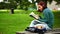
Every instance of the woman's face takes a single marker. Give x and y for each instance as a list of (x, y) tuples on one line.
[(40, 8)]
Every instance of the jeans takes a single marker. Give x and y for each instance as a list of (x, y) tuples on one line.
[(39, 23)]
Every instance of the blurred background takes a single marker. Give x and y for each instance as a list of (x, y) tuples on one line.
[(28, 4), (14, 14)]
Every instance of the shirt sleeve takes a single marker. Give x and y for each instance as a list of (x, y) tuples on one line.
[(46, 17)]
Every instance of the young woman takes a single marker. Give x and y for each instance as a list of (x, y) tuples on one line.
[(46, 20)]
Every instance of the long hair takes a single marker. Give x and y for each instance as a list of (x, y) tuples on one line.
[(43, 4)]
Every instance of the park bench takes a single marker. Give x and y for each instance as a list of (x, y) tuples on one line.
[(54, 31)]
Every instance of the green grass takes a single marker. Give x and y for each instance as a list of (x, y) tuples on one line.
[(13, 22), (10, 23)]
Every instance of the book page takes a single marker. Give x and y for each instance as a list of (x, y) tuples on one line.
[(32, 14)]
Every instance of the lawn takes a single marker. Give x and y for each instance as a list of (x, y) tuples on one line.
[(10, 23)]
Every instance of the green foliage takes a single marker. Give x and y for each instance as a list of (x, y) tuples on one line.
[(57, 19), (24, 4), (4, 5)]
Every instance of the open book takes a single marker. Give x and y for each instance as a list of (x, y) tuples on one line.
[(32, 14)]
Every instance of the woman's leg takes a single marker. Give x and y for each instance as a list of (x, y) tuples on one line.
[(34, 22), (44, 25)]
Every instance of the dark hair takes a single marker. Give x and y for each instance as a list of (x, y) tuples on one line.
[(43, 4)]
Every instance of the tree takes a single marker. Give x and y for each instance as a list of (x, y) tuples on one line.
[(23, 4), (10, 4)]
